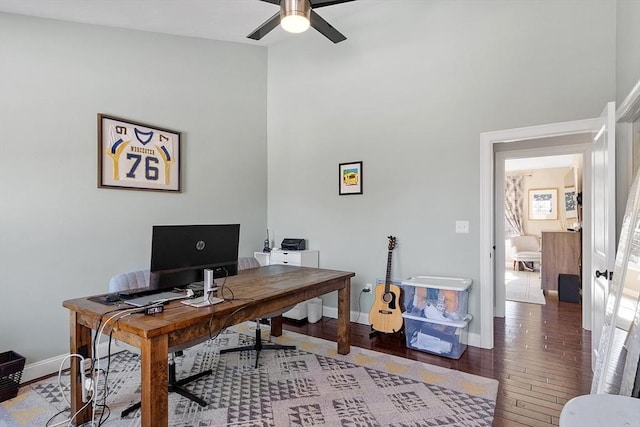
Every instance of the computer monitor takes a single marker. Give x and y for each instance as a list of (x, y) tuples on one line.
[(180, 253)]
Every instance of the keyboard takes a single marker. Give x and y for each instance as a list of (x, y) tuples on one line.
[(155, 298), (202, 302)]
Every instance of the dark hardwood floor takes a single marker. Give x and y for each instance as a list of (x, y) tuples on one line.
[(541, 358)]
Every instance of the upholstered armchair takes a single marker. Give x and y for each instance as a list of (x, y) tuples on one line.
[(524, 249)]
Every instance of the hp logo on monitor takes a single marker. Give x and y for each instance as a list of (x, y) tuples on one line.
[(200, 245)]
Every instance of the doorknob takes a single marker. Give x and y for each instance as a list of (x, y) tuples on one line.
[(606, 274)]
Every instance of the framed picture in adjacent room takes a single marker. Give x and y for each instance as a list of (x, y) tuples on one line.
[(350, 178), (570, 202), (543, 204), (137, 156)]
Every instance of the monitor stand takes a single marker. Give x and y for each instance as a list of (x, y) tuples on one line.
[(203, 301)]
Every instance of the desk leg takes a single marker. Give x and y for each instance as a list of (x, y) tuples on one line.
[(154, 374), (276, 326), (80, 344), (344, 318)]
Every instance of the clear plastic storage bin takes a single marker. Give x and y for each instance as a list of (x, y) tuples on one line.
[(444, 338), (436, 298)]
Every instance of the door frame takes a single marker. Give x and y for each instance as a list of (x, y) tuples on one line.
[(626, 115), (561, 148), (487, 211)]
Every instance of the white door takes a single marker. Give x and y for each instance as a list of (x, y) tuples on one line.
[(603, 250)]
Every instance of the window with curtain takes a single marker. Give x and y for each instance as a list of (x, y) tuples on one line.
[(513, 206)]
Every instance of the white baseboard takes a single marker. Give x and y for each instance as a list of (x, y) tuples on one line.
[(474, 340), (355, 317), (47, 367), (44, 368)]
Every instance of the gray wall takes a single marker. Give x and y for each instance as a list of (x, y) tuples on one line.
[(60, 236), (627, 47), (409, 94)]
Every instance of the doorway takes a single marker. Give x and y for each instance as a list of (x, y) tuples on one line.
[(553, 184), (534, 141)]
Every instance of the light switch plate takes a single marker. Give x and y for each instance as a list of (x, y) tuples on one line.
[(462, 226)]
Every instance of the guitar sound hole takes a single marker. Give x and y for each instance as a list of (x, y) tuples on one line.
[(390, 299)]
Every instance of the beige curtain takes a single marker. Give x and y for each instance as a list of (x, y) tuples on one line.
[(514, 202)]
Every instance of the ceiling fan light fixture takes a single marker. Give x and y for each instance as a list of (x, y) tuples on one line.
[(295, 15)]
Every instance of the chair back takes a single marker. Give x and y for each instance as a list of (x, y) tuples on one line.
[(130, 280), (140, 278), (525, 249), (524, 244), (245, 263)]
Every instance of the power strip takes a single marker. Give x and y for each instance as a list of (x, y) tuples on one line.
[(155, 309), (86, 365)]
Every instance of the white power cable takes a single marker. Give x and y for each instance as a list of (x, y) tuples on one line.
[(69, 421), (61, 387), (96, 368)]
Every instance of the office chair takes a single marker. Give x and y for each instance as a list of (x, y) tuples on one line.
[(257, 346), (140, 279)]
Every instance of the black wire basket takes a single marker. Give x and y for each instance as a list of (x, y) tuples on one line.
[(11, 366)]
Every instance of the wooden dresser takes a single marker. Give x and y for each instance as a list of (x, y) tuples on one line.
[(561, 254)]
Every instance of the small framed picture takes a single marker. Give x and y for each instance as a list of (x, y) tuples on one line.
[(350, 178), (570, 202), (543, 204), (137, 156)]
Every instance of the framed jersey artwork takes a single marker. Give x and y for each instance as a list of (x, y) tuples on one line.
[(137, 156)]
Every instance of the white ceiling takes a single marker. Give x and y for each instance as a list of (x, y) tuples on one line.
[(533, 163), (228, 20)]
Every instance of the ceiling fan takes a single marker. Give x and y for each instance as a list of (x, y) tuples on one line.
[(295, 16)]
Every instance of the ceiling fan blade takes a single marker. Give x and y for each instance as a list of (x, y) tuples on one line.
[(323, 3), (267, 26), (325, 28), (272, 1)]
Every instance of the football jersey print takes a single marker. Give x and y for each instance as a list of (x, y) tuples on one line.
[(139, 155)]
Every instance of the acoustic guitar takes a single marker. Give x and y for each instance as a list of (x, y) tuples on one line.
[(386, 315)]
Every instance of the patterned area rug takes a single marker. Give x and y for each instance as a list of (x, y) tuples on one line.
[(309, 386)]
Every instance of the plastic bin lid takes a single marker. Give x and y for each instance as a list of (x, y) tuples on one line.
[(448, 322), (439, 282)]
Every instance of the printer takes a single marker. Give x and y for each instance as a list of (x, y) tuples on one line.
[(292, 245)]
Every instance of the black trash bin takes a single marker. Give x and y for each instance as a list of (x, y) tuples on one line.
[(11, 366)]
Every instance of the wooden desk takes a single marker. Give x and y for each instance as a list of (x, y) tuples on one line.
[(258, 292)]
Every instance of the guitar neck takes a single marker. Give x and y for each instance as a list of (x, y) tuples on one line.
[(387, 281)]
